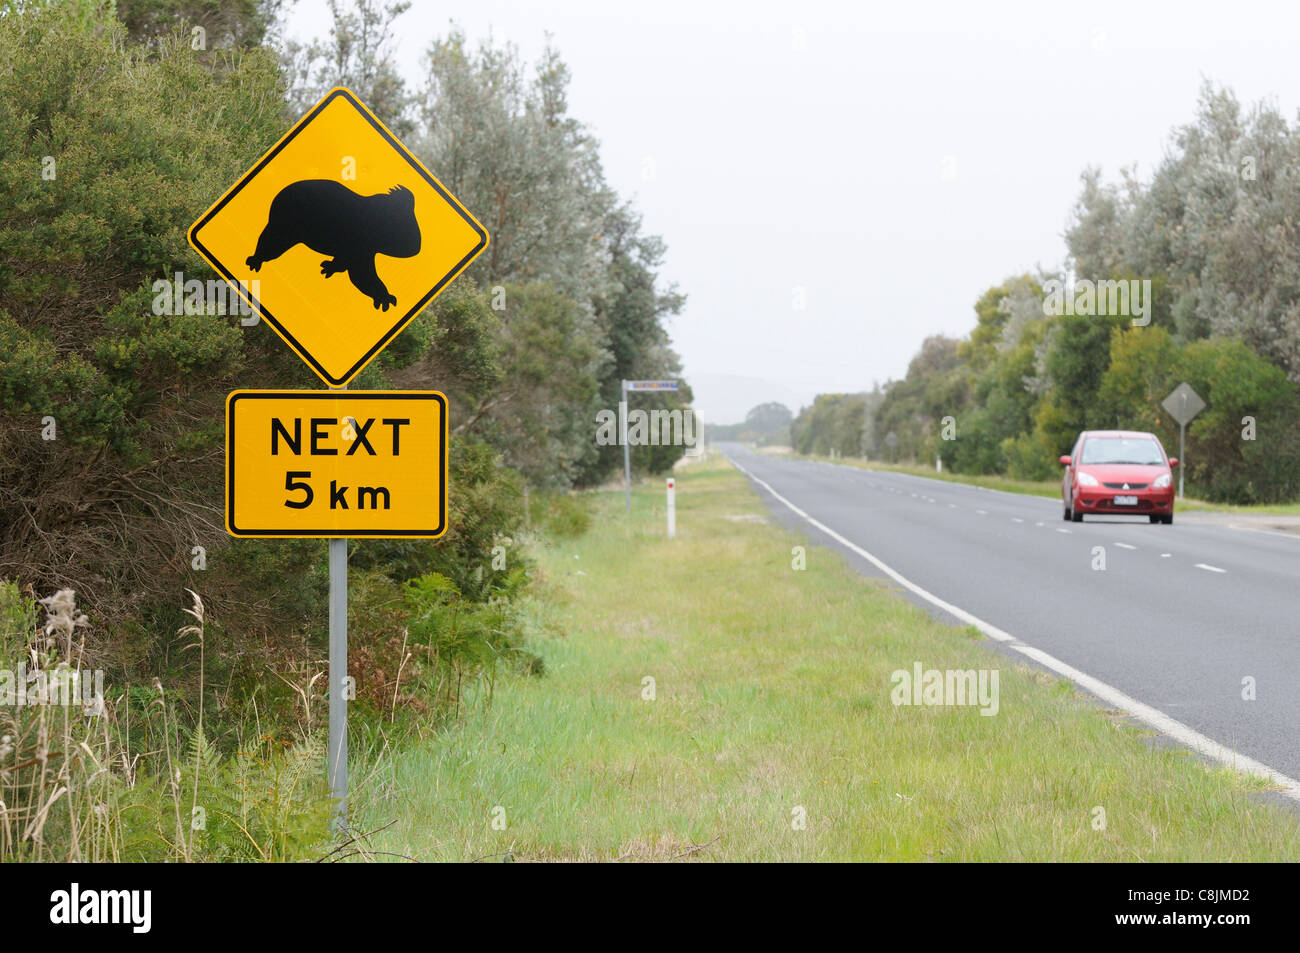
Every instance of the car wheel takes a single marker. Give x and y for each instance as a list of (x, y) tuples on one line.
[(1075, 515), (1167, 520), (1065, 514), (1155, 518)]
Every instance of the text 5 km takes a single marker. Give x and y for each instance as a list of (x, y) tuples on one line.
[(296, 480)]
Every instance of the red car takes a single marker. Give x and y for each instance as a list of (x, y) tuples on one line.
[(1118, 471)]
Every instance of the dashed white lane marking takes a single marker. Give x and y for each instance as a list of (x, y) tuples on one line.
[(1125, 546), (1061, 529), (1165, 555), (1209, 568), (1157, 719), (952, 506), (982, 512), (1039, 523), (1016, 519)]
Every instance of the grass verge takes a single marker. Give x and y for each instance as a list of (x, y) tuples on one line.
[(771, 706)]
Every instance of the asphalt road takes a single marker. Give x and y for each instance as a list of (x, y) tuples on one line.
[(1178, 618)]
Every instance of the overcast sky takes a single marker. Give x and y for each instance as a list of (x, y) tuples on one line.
[(882, 164)]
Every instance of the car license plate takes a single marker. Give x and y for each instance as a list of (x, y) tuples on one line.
[(1126, 501)]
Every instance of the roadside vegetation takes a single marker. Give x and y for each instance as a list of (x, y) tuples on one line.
[(768, 732)]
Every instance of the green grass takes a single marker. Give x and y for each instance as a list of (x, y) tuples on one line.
[(1049, 488), (773, 695)]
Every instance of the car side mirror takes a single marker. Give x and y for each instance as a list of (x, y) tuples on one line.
[(1065, 460), (1173, 461)]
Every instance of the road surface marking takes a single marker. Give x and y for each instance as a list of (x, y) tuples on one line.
[(1125, 546), (1157, 719), (1016, 519), (982, 512), (1061, 529), (1209, 568), (1165, 555)]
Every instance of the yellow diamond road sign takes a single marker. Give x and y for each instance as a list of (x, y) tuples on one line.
[(338, 237)]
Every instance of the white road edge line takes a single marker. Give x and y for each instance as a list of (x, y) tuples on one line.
[(1209, 568), (1157, 719)]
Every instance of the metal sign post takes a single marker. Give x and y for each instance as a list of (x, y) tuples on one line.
[(1182, 452), (627, 451), (337, 758)]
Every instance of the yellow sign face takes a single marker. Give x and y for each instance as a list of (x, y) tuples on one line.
[(309, 463), (338, 237)]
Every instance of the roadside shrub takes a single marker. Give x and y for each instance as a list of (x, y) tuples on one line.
[(566, 516), (1028, 459)]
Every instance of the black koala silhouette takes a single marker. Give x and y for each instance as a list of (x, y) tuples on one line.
[(332, 219)]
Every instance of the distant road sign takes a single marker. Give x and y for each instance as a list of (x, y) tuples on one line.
[(362, 464), (652, 385), (338, 237), (1184, 403)]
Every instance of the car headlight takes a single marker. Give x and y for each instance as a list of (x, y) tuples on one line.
[(1163, 481), (1087, 479)]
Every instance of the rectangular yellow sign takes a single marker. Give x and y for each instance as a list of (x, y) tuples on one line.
[(363, 464)]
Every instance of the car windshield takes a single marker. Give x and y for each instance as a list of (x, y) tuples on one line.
[(1136, 450)]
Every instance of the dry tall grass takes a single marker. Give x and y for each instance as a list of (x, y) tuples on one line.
[(72, 788)]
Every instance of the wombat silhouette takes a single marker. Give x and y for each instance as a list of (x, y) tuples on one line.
[(331, 219)]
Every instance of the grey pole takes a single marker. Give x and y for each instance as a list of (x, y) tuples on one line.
[(338, 734), (338, 741), (1182, 464), (627, 452)]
